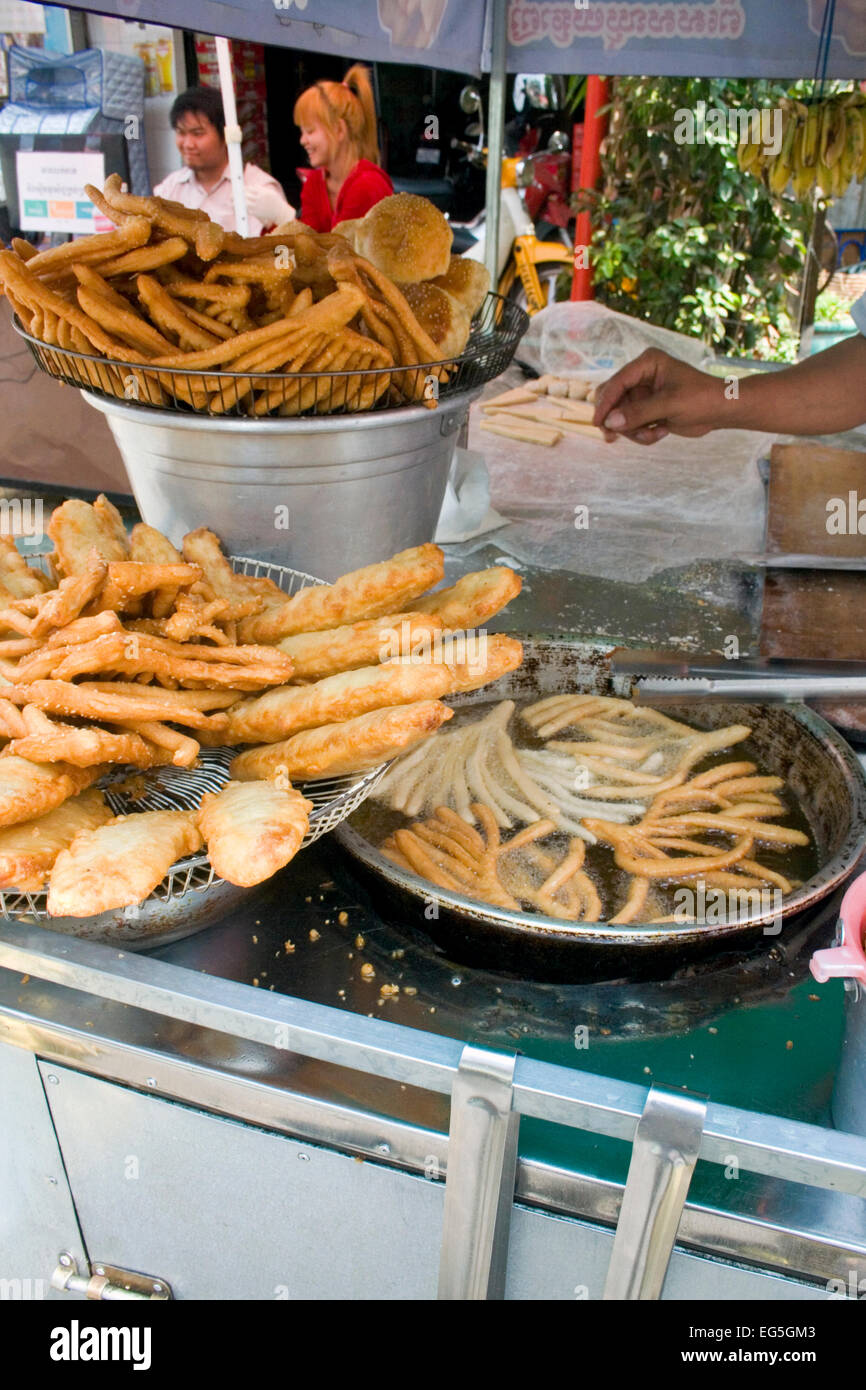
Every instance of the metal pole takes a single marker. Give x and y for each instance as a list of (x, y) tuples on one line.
[(495, 136), (663, 1157), (597, 95), (234, 135), (479, 1186)]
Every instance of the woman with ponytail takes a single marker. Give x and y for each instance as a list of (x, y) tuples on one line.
[(338, 134)]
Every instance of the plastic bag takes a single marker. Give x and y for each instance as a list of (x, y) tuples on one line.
[(591, 341)]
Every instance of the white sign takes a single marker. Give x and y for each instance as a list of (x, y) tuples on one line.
[(51, 196)]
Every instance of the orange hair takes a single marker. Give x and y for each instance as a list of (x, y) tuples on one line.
[(328, 103)]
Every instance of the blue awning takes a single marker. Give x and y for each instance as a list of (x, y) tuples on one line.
[(698, 38)]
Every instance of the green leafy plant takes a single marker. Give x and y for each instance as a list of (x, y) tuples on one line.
[(683, 237), (830, 308)]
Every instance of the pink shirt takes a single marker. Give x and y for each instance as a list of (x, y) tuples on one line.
[(184, 187)]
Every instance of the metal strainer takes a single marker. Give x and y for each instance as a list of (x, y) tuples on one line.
[(191, 895)]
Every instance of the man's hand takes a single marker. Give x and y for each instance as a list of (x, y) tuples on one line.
[(267, 204), (656, 395)]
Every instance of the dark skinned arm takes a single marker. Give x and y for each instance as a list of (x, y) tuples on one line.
[(657, 395)]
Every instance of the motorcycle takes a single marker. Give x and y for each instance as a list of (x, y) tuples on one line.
[(533, 205)]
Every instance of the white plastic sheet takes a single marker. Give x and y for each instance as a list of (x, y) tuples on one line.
[(590, 340)]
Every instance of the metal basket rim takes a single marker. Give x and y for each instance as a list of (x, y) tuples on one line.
[(498, 339)]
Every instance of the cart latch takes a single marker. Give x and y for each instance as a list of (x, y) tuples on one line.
[(101, 1281)]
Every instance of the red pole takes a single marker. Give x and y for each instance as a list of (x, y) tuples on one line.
[(597, 95)]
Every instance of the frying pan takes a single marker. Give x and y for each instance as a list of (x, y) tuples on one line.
[(821, 774)]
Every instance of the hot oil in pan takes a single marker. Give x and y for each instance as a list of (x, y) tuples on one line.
[(375, 821)]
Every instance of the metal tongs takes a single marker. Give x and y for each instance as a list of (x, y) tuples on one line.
[(671, 677)]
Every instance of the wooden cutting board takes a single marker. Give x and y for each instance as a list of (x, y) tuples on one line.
[(817, 503), (814, 613), (813, 509)]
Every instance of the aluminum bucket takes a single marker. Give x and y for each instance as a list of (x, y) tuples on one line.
[(325, 494)]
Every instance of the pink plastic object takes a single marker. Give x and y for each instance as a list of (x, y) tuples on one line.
[(847, 960)]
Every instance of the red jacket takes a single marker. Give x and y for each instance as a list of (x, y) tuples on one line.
[(366, 184)]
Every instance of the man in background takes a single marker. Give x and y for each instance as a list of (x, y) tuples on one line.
[(198, 121)]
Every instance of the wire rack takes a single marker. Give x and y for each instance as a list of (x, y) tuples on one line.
[(496, 331), (169, 788)]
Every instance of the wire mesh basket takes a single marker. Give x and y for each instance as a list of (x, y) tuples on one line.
[(191, 895), (496, 331)]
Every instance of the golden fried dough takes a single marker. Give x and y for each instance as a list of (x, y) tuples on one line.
[(406, 237), (119, 863), (16, 577), (151, 547), (338, 749), (252, 829), (278, 713), (80, 747), (28, 850), (348, 229), (486, 659), (319, 654), (203, 548), (30, 789), (370, 592), (474, 598), (467, 281), (441, 315), (76, 528)]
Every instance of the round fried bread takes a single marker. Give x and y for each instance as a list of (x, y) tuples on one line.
[(467, 280), (440, 315), (405, 237)]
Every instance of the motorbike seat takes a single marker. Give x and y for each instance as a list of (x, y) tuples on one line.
[(463, 239)]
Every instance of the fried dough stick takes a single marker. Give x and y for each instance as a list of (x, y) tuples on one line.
[(365, 593), (62, 697), (337, 749)]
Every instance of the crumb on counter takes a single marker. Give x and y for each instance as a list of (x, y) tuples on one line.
[(343, 918), (367, 971), (789, 1045), (360, 942), (389, 990), (341, 993), (314, 935), (255, 940), (398, 954), (409, 989), (288, 947), (256, 981)]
